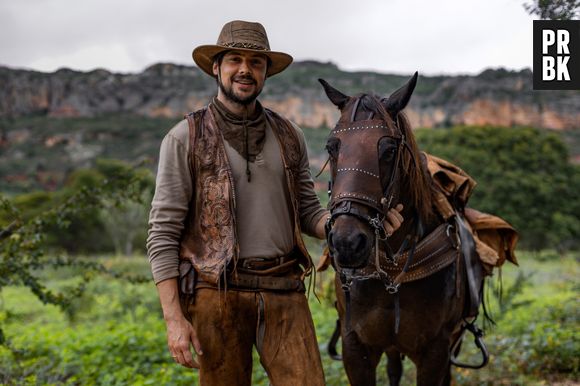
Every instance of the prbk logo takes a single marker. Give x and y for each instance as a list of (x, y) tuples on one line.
[(556, 54)]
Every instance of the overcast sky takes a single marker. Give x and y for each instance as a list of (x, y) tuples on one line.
[(389, 36)]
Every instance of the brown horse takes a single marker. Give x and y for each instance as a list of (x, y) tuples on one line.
[(410, 302)]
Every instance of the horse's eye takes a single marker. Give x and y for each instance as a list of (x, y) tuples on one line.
[(387, 148)]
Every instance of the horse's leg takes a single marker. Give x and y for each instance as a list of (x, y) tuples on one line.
[(360, 361), (394, 367), (433, 368), (447, 379)]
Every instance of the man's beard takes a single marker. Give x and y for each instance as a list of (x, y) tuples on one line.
[(229, 92)]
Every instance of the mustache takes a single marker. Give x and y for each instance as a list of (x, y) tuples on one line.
[(244, 77)]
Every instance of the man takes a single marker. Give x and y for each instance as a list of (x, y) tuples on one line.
[(233, 194)]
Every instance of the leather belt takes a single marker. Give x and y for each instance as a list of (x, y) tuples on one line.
[(263, 263), (254, 274), (273, 283)]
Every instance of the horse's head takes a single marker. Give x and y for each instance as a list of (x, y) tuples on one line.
[(374, 166)]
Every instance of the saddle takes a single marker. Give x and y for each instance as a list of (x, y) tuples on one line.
[(495, 239), (486, 241)]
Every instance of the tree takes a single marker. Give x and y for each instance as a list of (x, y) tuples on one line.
[(554, 9), (125, 221)]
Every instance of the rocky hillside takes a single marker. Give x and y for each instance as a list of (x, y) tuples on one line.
[(495, 97)]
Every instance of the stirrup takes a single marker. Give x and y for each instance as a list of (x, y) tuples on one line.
[(478, 339)]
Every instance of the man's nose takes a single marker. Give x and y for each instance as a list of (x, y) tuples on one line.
[(244, 67)]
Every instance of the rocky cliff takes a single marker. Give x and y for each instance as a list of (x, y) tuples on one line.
[(495, 97)]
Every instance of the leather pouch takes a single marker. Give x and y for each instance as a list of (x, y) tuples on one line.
[(187, 279)]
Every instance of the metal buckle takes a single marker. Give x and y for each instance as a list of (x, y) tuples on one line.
[(392, 288), (455, 240)]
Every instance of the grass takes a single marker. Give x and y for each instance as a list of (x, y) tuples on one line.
[(116, 334)]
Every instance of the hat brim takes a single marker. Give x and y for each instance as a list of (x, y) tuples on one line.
[(203, 57)]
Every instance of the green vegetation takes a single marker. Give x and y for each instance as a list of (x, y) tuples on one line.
[(102, 225), (115, 334), (66, 220)]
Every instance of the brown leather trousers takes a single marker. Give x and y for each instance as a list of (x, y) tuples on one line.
[(229, 323)]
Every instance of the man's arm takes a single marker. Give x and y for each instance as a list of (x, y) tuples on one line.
[(169, 209)]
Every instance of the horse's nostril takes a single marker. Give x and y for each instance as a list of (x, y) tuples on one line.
[(360, 242), (330, 239)]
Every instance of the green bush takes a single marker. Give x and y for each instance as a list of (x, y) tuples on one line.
[(118, 335)]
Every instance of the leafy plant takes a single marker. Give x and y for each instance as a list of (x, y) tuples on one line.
[(22, 250)]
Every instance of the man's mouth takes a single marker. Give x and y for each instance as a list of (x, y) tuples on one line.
[(245, 81)]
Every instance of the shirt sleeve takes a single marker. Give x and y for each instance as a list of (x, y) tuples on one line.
[(310, 209), (170, 205)]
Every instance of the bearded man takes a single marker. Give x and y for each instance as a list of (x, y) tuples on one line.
[(233, 195)]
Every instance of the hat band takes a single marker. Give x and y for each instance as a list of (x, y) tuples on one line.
[(250, 46)]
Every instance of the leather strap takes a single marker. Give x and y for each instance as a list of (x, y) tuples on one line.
[(436, 251), (274, 283), (473, 267), (249, 282), (265, 264)]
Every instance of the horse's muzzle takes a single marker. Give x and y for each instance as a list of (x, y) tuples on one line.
[(349, 249)]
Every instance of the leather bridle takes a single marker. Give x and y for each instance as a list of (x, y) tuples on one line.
[(366, 189), (348, 193)]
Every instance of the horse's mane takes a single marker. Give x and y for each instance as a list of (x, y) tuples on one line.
[(415, 179)]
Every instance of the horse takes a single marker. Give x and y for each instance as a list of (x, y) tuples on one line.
[(403, 294)]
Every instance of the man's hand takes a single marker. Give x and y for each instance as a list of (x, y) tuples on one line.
[(393, 220), (180, 333)]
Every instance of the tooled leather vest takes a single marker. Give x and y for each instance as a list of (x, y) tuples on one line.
[(209, 237)]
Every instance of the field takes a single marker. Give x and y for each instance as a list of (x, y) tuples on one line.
[(115, 335)]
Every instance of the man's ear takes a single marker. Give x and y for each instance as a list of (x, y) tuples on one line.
[(215, 68)]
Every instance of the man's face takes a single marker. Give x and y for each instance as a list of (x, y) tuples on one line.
[(241, 75)]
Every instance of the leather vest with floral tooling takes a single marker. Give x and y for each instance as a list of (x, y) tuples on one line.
[(209, 238)]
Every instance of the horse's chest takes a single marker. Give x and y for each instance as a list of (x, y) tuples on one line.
[(374, 328), (374, 324)]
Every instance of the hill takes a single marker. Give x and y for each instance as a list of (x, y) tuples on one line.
[(495, 97), (53, 123)]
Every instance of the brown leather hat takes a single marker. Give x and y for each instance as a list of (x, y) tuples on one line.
[(241, 36)]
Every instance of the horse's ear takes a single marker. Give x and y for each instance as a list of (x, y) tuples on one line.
[(398, 100), (335, 96)]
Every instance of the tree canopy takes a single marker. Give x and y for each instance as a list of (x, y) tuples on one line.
[(554, 9)]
